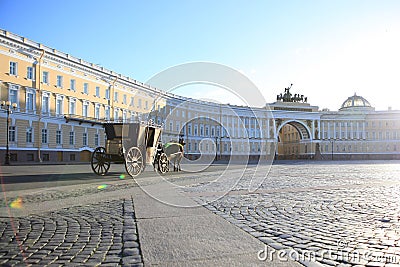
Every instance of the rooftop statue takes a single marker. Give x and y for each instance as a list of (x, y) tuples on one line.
[(288, 97)]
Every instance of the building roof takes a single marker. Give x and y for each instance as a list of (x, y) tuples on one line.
[(355, 102)]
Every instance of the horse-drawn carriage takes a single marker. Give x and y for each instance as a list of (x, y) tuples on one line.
[(134, 144)]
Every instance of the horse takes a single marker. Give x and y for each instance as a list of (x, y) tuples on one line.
[(174, 152)]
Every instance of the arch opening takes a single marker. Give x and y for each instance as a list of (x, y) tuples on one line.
[(293, 141)]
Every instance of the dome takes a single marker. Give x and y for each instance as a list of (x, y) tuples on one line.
[(357, 102)]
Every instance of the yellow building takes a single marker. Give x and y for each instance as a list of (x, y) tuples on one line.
[(60, 100)]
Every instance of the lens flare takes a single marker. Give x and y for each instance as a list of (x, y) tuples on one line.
[(16, 203), (122, 176), (101, 187)]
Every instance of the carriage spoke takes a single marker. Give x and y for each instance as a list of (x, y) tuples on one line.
[(101, 169)]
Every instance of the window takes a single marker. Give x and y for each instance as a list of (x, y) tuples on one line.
[(13, 157), (30, 157), (124, 116), (45, 77), (11, 133), (124, 99), (71, 138), (45, 102), (107, 95), (170, 126), (72, 157), (13, 94), (30, 99), (97, 111), (59, 105), (97, 91), (85, 109), (29, 135), (116, 114), (140, 103), (59, 81), (96, 140), (189, 129), (132, 101), (29, 73), (72, 106), (195, 130), (115, 96), (13, 68), (72, 85), (107, 113), (58, 137), (44, 136), (84, 139), (146, 104), (86, 88), (46, 157)]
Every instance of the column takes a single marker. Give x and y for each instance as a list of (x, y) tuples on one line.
[(268, 135), (363, 130), (313, 130), (351, 130), (319, 129), (323, 130), (329, 130), (358, 130), (340, 130), (334, 130), (345, 131)]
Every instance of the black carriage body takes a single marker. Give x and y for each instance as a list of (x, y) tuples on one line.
[(120, 136)]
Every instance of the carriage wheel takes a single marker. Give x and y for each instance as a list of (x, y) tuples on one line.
[(134, 161), (163, 163), (99, 162)]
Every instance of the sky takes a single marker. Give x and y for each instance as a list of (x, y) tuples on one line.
[(328, 50)]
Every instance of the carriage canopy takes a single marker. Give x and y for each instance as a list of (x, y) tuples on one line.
[(138, 134)]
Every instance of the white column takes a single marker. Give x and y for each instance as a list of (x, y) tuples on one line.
[(334, 130), (363, 129), (268, 135), (319, 129), (323, 130), (313, 130), (351, 130), (345, 131), (340, 130), (329, 130), (358, 130)]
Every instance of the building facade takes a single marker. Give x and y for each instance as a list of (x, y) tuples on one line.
[(62, 101)]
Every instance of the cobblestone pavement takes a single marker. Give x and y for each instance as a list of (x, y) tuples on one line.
[(91, 235), (55, 193), (327, 215)]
